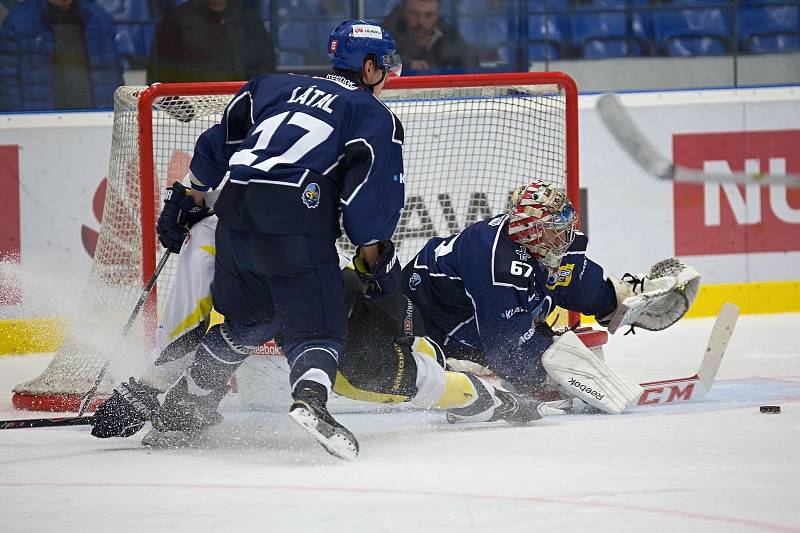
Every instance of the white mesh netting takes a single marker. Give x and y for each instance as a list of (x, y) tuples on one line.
[(466, 148)]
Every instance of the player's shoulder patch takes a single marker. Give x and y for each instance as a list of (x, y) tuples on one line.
[(562, 277)]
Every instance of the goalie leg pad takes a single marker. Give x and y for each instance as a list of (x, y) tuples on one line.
[(569, 362), (459, 391)]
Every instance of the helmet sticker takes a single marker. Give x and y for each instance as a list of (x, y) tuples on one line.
[(366, 30)]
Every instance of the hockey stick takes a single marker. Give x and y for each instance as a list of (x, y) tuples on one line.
[(145, 293), (697, 386), (621, 126), (47, 422)]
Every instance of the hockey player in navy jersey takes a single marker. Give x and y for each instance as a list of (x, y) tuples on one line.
[(302, 153), (485, 292)]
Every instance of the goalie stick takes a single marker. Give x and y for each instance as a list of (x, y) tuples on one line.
[(655, 392), (621, 126), (698, 385)]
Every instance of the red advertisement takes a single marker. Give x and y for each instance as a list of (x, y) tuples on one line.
[(9, 219), (715, 218)]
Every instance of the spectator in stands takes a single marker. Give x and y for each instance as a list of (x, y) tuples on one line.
[(58, 54), (424, 40), (210, 40)]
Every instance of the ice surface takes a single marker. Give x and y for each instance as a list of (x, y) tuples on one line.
[(714, 465)]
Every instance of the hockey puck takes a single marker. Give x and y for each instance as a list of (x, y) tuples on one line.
[(771, 409)]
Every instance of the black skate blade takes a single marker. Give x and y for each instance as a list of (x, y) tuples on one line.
[(339, 445)]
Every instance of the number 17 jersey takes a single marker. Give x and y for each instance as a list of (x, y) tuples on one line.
[(300, 150)]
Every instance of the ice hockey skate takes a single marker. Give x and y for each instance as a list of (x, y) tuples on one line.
[(184, 415), (494, 403), (310, 413)]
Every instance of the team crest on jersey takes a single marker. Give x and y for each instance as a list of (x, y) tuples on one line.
[(311, 195), (562, 277), (523, 254), (414, 281)]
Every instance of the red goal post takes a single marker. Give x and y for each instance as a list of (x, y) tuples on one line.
[(469, 140)]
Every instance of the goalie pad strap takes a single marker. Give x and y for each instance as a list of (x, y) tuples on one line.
[(584, 376)]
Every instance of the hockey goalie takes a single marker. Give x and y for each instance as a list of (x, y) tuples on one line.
[(397, 346)]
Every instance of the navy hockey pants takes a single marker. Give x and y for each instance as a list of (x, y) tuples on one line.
[(292, 284)]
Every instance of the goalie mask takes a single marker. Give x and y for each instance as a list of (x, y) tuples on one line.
[(542, 219)]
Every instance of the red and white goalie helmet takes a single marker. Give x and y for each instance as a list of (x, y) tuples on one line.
[(542, 219)]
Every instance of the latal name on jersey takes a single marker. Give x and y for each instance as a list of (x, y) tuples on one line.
[(313, 97)]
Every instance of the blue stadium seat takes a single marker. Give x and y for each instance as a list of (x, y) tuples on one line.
[(695, 46), (378, 9), (483, 7), (545, 39), (291, 59), (604, 34), (542, 52), (133, 29), (605, 48), (293, 9), (488, 33), (703, 3), (133, 42), (701, 31), (548, 6), (291, 37), (559, 11), (769, 29), (309, 38), (127, 11), (773, 44)]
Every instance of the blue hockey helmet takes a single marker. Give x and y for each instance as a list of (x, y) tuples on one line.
[(354, 40)]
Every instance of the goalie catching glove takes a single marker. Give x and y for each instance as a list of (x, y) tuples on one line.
[(383, 278), (656, 300), (178, 215)]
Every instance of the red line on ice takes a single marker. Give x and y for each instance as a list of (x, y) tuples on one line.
[(573, 500)]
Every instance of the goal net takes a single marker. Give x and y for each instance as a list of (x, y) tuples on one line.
[(469, 141)]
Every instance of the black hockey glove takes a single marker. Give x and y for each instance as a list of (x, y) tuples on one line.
[(178, 215), (384, 277)]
